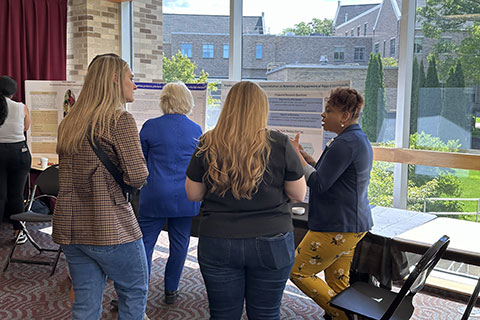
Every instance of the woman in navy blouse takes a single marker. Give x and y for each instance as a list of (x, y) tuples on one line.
[(168, 143), (339, 212)]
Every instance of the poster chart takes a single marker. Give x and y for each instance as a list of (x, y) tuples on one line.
[(147, 102), (48, 102), (297, 107)]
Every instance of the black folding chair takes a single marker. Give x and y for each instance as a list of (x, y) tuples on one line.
[(372, 302), (47, 183), (472, 301)]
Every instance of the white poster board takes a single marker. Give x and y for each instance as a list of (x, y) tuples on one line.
[(297, 107), (48, 102), (147, 102)]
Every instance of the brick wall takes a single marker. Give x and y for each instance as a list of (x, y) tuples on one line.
[(93, 27), (356, 74), (147, 40)]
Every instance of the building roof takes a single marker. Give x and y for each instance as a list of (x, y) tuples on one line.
[(348, 12), (197, 23)]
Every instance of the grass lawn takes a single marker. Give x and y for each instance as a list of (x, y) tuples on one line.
[(471, 189)]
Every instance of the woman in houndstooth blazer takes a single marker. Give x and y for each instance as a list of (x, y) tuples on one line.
[(93, 222)]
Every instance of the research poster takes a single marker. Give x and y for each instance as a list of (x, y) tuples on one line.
[(297, 107), (147, 102), (48, 102)]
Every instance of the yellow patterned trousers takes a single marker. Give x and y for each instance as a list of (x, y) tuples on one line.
[(331, 252)]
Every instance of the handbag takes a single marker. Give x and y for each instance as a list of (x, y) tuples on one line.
[(131, 194)]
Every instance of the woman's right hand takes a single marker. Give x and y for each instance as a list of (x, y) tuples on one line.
[(304, 156), (307, 157)]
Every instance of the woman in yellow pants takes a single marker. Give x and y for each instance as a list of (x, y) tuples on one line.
[(339, 212)]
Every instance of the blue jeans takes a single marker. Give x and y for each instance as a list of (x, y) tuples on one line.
[(254, 270), (89, 267), (179, 239)]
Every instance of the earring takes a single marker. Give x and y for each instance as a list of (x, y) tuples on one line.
[(342, 125)]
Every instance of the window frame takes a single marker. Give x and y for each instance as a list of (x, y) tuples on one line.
[(362, 52), (227, 56), (335, 52), (416, 45), (208, 48), (257, 55), (393, 47), (190, 49)]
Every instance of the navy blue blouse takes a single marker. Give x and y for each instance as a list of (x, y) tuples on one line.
[(338, 200)]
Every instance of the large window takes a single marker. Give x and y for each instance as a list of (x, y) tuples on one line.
[(226, 51), (359, 54), (258, 51), (186, 49), (207, 51), (339, 53)]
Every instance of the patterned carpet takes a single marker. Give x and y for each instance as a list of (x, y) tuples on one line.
[(27, 291)]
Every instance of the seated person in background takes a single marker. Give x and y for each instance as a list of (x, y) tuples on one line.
[(15, 158), (168, 143), (245, 175), (339, 212)]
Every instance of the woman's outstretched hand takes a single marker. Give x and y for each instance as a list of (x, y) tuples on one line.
[(304, 156)]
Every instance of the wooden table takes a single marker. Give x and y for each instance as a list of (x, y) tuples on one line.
[(464, 239)]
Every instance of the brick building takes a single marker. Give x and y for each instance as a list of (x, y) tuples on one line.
[(205, 40)]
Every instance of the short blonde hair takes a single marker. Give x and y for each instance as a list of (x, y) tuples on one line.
[(176, 98)]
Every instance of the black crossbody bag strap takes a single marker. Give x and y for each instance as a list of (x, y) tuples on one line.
[(110, 166)]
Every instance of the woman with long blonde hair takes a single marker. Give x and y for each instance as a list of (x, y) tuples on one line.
[(245, 174), (93, 221)]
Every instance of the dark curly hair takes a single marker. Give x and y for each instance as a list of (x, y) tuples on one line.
[(8, 87), (346, 99)]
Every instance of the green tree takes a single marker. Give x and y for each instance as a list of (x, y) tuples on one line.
[(421, 75), (415, 92), (469, 54), (440, 16), (430, 96), (438, 183), (181, 68), (319, 26), (389, 62), (456, 107), (374, 112), (369, 114), (431, 80)]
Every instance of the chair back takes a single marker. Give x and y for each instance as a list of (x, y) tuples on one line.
[(471, 301), (416, 279), (47, 181)]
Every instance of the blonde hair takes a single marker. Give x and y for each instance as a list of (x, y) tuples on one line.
[(238, 148), (101, 100), (176, 98)]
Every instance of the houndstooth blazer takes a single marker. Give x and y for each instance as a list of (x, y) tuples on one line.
[(91, 208)]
